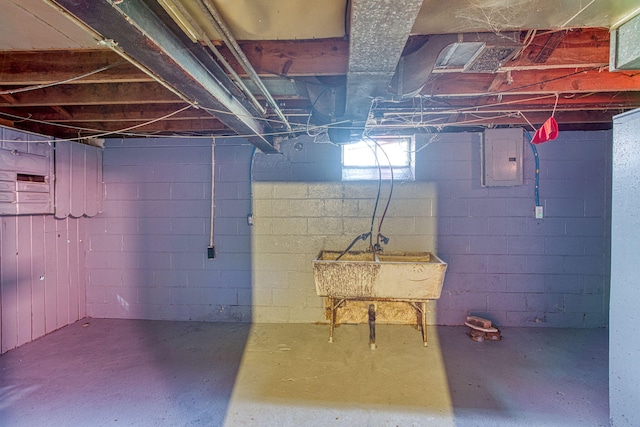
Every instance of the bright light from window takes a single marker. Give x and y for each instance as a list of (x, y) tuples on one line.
[(359, 159)]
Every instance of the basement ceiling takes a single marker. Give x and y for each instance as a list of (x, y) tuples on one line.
[(463, 65)]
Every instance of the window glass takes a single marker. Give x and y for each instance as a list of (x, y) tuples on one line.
[(359, 159)]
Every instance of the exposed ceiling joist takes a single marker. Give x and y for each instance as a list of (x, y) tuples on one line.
[(307, 80), (532, 82), (95, 94), (141, 35)]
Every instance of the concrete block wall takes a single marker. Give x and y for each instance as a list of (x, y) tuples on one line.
[(504, 263), (294, 221), (147, 253)]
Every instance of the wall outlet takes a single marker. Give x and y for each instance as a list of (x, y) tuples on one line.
[(211, 252), (539, 212)]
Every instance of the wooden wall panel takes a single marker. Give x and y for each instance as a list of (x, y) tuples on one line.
[(51, 276), (42, 271), (78, 179), (9, 284), (24, 279), (74, 285), (100, 180), (42, 276), (82, 271), (63, 179), (91, 183), (37, 276), (62, 295)]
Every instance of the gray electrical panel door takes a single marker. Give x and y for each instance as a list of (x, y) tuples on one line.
[(502, 152)]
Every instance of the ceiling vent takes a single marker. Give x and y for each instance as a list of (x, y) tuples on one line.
[(479, 53)]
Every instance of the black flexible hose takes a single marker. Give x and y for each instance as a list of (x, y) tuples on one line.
[(375, 207), (360, 237), (384, 213)]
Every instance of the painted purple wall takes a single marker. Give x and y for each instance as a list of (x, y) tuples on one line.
[(504, 263), (147, 252)]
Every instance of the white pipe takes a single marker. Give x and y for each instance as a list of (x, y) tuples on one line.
[(218, 23), (213, 179), (203, 35)]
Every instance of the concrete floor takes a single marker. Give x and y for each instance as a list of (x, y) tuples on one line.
[(100, 372)]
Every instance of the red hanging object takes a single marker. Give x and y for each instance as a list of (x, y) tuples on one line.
[(547, 132)]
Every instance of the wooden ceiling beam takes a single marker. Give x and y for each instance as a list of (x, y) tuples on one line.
[(532, 82), (108, 113), (571, 48), (596, 101), (201, 126), (22, 68), (541, 55), (493, 119), (99, 94), (323, 57)]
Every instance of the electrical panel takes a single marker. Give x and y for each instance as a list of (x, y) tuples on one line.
[(501, 156)]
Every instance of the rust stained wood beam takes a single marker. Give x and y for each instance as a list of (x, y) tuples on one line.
[(532, 82), (42, 67)]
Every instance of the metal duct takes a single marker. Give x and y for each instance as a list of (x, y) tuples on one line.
[(379, 30), (468, 53)]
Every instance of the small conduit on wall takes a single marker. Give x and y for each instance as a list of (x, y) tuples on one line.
[(78, 180), (211, 250)]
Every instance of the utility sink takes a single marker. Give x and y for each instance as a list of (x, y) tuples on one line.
[(402, 276)]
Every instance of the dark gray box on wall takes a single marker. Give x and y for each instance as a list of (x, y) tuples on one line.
[(501, 157)]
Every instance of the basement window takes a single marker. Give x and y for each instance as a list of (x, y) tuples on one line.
[(366, 160)]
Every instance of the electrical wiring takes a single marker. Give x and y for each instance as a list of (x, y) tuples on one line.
[(124, 131), (251, 161), (375, 207), (61, 82), (311, 112), (103, 134), (369, 235), (545, 81), (495, 104), (536, 158), (384, 213)]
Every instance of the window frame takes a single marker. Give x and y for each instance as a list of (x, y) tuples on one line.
[(371, 172)]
